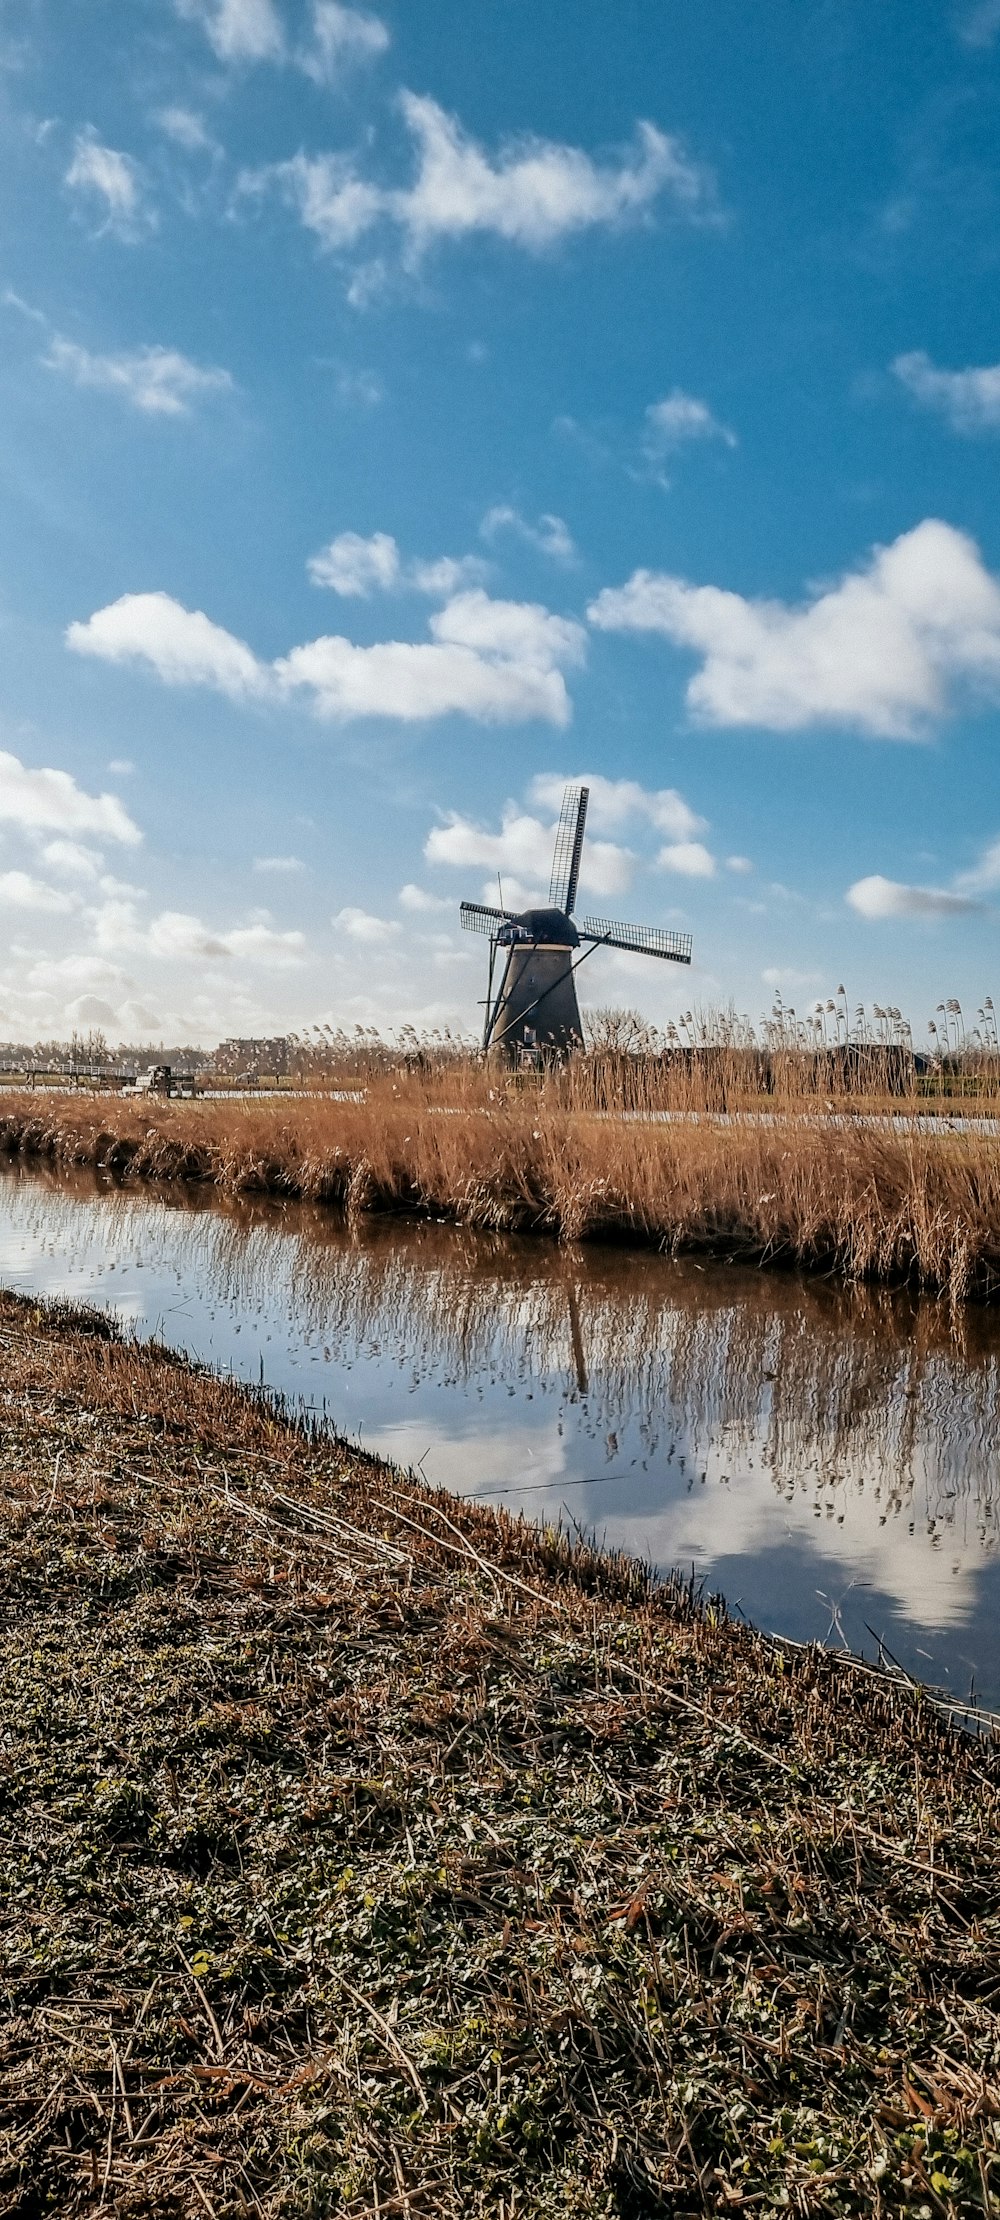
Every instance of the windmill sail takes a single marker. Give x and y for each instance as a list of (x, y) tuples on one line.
[(643, 940), (568, 850), (478, 917)]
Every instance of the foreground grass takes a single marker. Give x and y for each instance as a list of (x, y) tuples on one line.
[(783, 1183), (365, 1852)]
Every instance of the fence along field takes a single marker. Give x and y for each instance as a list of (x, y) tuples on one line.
[(821, 1159)]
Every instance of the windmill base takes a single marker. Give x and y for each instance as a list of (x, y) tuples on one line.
[(537, 1014)]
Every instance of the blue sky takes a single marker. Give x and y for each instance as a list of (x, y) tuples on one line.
[(402, 411)]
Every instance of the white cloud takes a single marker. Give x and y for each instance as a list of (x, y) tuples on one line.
[(970, 399), (414, 682), (536, 192), (550, 534), (533, 194), (497, 661), (877, 897), (177, 935), (262, 944), (51, 801), (740, 864), (417, 899), (677, 420), (73, 858), (279, 866), (442, 575), (331, 200), (985, 875), (522, 852), (238, 30), (522, 631), (185, 129), (616, 802), (880, 650), (156, 380), (181, 645), (362, 926), (114, 181), (353, 566), (341, 37), (688, 857), (18, 891)]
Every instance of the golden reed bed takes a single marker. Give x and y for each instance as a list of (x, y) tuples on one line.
[(857, 1186)]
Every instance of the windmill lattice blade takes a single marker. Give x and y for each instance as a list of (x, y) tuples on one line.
[(641, 940), (478, 917), (568, 849)]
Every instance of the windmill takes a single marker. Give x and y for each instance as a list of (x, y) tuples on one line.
[(535, 1009)]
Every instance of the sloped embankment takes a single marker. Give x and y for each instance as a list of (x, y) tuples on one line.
[(366, 1852)]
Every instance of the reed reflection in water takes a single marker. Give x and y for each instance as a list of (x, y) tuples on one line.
[(826, 1456)]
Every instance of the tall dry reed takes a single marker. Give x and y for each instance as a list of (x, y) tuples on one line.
[(873, 1197)]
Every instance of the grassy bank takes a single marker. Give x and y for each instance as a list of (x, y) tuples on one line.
[(368, 1853), (793, 1181)]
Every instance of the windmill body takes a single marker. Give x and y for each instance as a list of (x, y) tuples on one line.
[(534, 1014)]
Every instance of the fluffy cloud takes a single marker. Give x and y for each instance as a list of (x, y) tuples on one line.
[(332, 202), (536, 192), (519, 631), (616, 802), (18, 891), (533, 194), (880, 650), (415, 682), (680, 418), (690, 858), (341, 36), (238, 30), (360, 925), (497, 661), (279, 866), (182, 646), (522, 852), (103, 176), (72, 859), (970, 399), (353, 566), (177, 935), (156, 380), (51, 801), (549, 533), (877, 897), (418, 900)]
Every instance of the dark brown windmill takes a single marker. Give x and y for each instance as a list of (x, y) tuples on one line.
[(535, 1011)]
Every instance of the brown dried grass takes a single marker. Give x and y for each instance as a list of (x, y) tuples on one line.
[(365, 1852), (859, 1188)]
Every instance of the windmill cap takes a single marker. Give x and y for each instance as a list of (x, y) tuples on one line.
[(550, 926)]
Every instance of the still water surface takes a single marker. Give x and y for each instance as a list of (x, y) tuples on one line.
[(827, 1458)]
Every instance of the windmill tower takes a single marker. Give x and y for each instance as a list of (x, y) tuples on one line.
[(535, 1011)]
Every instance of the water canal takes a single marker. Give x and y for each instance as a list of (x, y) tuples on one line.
[(826, 1457)]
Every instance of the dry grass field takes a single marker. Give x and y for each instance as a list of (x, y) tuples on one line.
[(363, 1852), (858, 1185)]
